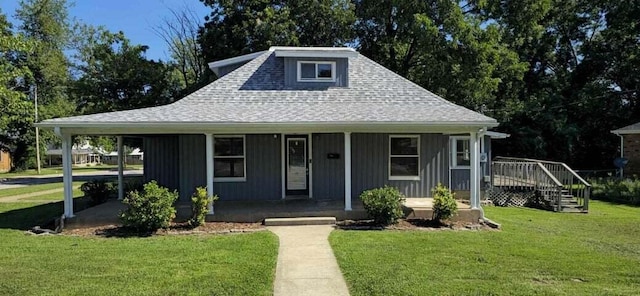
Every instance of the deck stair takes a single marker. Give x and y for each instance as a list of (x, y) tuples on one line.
[(554, 184)]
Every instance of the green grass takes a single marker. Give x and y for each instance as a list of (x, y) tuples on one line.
[(536, 253), (55, 196), (35, 188), (58, 170), (241, 264)]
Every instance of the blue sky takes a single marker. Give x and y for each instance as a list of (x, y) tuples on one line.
[(136, 18)]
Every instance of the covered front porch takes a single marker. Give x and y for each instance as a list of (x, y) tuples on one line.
[(257, 211)]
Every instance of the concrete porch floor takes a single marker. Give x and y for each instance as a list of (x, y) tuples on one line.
[(257, 211)]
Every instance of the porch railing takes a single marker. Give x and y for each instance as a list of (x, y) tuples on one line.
[(555, 180)]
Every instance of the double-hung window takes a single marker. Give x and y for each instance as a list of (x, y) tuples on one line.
[(310, 71), (229, 158), (460, 152), (404, 157)]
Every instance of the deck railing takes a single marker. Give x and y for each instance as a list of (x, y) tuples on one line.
[(555, 179)]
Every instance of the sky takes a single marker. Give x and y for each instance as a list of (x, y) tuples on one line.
[(136, 18)]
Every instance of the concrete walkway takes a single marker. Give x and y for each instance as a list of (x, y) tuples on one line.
[(306, 264)]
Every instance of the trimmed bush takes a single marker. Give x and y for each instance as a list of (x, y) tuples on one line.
[(384, 205), (149, 209), (444, 203), (616, 190), (199, 206), (98, 190)]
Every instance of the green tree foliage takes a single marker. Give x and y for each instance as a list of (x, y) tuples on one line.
[(114, 74), (237, 27), (45, 24), (15, 108)]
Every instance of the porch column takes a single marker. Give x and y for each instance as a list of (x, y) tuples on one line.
[(347, 171), (210, 164), (67, 177), (475, 170), (120, 168)]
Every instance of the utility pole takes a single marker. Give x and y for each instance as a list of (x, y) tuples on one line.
[(35, 99)]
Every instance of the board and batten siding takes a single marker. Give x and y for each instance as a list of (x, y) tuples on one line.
[(291, 73), (161, 160), (370, 164), (328, 174)]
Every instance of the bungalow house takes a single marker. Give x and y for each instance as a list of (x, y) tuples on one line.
[(630, 147), (291, 122), (5, 161)]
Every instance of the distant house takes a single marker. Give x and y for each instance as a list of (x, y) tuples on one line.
[(630, 147), (311, 123), (5, 161), (136, 156), (81, 154)]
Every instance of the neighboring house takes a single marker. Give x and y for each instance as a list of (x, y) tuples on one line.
[(136, 156), (630, 147), (321, 123), (81, 154), (5, 161)]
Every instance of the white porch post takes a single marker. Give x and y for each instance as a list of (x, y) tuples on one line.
[(67, 177), (210, 163), (347, 171), (120, 168), (475, 169)]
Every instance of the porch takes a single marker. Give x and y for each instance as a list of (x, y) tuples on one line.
[(257, 211)]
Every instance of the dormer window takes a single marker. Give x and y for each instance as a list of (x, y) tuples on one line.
[(310, 71)]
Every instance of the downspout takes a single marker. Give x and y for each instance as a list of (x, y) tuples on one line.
[(621, 153)]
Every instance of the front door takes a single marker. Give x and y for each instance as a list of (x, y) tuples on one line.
[(297, 164)]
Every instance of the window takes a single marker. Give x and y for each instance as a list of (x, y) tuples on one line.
[(229, 158), (404, 157), (460, 152), (316, 71)]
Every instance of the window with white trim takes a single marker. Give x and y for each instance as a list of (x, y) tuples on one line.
[(229, 158), (404, 157), (311, 71), (460, 152)]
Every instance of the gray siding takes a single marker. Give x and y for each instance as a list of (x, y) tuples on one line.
[(370, 164), (291, 73), (161, 161), (328, 174), (193, 167), (461, 179), (264, 172)]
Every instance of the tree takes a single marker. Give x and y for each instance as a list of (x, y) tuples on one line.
[(16, 109), (237, 27), (45, 23), (180, 34), (114, 75)]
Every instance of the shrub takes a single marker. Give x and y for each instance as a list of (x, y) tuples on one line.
[(384, 205), (199, 206), (623, 191), (98, 190), (444, 203), (149, 209)]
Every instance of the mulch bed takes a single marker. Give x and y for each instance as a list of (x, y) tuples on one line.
[(411, 224), (174, 229)]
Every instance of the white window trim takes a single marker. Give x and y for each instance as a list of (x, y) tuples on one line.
[(317, 79), (454, 151), (404, 178), (244, 157)]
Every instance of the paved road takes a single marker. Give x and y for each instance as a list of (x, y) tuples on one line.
[(15, 182), (306, 264)]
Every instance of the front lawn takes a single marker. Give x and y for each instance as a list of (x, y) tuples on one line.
[(242, 264), (33, 189), (536, 253)]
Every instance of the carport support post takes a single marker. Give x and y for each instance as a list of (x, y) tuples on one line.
[(475, 176), (120, 169), (67, 177), (347, 171), (210, 163)]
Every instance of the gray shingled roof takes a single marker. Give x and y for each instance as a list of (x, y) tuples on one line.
[(256, 93), (629, 129)]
